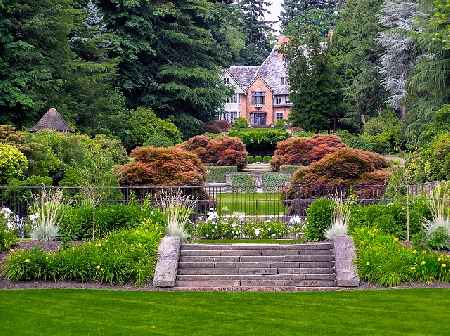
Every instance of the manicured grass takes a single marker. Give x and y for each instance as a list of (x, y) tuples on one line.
[(91, 312), (250, 203), (249, 241)]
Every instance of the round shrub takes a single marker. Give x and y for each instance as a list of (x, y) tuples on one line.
[(338, 172), (304, 151), (12, 163), (162, 167), (222, 151)]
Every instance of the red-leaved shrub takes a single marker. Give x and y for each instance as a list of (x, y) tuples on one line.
[(345, 169), (304, 151), (217, 126), (223, 151), (162, 167)]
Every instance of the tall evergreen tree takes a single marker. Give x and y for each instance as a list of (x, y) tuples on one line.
[(292, 9), (258, 32), (171, 52), (315, 89), (356, 54)]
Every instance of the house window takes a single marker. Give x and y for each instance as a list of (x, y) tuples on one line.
[(280, 116), (234, 99), (226, 80), (258, 98), (278, 100), (233, 116), (283, 81)]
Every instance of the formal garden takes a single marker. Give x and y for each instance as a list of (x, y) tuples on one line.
[(211, 168)]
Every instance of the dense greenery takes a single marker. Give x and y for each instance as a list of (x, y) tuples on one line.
[(383, 260), (126, 256), (411, 311), (260, 141)]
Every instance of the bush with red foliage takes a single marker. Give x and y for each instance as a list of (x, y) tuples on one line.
[(345, 169), (222, 151), (304, 151), (162, 167), (217, 126)]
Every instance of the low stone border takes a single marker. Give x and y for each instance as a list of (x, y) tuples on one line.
[(345, 254), (167, 265)]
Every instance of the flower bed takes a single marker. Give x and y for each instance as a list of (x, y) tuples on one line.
[(125, 256), (383, 260)]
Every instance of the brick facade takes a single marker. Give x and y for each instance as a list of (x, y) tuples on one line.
[(269, 80)]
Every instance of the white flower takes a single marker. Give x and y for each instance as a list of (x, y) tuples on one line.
[(33, 217), (257, 232), (6, 212), (295, 220)]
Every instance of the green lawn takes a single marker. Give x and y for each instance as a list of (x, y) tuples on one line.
[(96, 312), (250, 203)]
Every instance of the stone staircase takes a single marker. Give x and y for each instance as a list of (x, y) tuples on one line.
[(256, 267)]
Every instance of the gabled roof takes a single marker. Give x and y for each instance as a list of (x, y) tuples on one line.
[(51, 120), (244, 75), (271, 71)]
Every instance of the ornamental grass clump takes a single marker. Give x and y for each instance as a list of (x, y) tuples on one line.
[(438, 227), (340, 219), (47, 211), (177, 208)]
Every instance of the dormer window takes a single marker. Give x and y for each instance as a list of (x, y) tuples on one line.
[(283, 81), (258, 98), (226, 80)]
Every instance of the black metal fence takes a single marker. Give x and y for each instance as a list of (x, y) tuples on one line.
[(224, 199)]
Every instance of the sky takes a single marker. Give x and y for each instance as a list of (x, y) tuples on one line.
[(275, 10)]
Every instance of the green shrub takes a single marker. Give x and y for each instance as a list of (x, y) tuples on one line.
[(13, 163), (243, 182), (218, 173), (383, 260), (391, 218), (7, 236), (126, 256), (318, 218), (258, 159), (87, 222), (289, 169), (274, 181), (267, 159)]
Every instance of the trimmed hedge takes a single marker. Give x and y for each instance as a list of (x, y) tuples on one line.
[(274, 182), (218, 173), (243, 182)]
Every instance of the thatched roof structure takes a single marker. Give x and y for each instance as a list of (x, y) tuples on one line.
[(51, 120)]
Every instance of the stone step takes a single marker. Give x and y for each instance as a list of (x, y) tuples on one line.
[(247, 253), (259, 277), (232, 271), (280, 265), (255, 283), (265, 259), (311, 246), (255, 289)]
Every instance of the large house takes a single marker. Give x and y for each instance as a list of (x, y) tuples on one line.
[(261, 93)]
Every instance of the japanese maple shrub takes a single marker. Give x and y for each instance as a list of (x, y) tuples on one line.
[(304, 151), (222, 151)]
